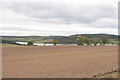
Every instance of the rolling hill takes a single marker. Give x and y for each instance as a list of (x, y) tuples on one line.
[(61, 39)]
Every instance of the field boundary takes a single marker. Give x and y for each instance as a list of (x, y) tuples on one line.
[(110, 74)]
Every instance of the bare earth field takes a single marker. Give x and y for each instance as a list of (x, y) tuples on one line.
[(58, 62)]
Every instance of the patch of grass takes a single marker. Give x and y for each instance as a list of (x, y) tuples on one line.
[(4, 44), (110, 75), (115, 42)]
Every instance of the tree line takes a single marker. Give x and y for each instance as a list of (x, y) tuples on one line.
[(82, 41)]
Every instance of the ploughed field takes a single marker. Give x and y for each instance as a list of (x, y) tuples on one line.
[(58, 61)]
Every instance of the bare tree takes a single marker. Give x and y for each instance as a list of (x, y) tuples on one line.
[(104, 40)]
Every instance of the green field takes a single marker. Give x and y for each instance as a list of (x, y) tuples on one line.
[(5, 44)]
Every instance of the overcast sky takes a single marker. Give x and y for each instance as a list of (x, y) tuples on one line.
[(58, 17)]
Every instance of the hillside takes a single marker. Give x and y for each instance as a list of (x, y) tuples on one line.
[(61, 39)]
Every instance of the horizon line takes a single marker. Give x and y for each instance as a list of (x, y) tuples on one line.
[(60, 35)]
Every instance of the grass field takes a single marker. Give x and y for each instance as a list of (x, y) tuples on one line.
[(4, 44), (58, 61)]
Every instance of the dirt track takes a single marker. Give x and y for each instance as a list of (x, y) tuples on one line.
[(59, 61)]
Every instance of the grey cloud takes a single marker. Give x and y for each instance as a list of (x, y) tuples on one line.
[(15, 29), (61, 13), (9, 28)]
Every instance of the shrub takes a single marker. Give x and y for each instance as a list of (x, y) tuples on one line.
[(55, 42), (30, 43), (80, 40)]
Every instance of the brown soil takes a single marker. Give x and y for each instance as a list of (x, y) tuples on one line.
[(58, 62)]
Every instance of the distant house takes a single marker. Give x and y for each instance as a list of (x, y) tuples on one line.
[(22, 43)]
